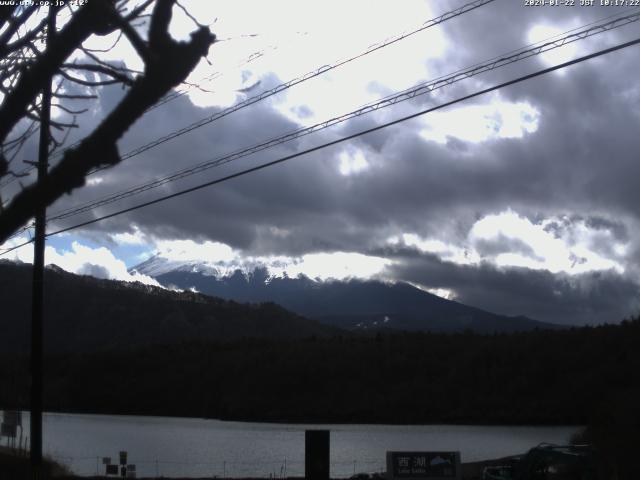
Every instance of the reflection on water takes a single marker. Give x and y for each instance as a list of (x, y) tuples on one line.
[(197, 448)]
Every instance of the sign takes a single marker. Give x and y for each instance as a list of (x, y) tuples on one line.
[(123, 458), (12, 417), (106, 460), (112, 469), (8, 430), (423, 465), (131, 471)]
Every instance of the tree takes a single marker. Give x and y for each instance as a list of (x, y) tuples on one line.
[(27, 63)]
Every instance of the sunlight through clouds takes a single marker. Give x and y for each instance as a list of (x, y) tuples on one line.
[(479, 123), (537, 248), (336, 265), (542, 33), (352, 162), (480, 199), (508, 240), (445, 251), (84, 260), (307, 37), (219, 259), (190, 251)]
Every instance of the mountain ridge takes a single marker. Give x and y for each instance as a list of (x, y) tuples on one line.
[(84, 313), (350, 304)]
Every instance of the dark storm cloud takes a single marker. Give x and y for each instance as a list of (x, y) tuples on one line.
[(606, 233), (413, 184), (502, 244), (581, 164), (595, 297)]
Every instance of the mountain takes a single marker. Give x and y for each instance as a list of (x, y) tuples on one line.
[(88, 314), (353, 304)]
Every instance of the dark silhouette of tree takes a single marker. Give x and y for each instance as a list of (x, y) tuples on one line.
[(27, 63)]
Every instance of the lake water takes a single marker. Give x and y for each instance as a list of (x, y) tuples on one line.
[(205, 448)]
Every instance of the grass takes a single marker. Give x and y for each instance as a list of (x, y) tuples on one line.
[(16, 466)]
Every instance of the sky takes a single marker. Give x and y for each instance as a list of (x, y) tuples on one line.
[(523, 201)]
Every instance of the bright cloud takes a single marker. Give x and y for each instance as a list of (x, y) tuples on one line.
[(445, 251), (307, 37), (84, 260), (128, 238), (479, 123), (544, 33), (570, 254), (352, 162), (443, 292), (510, 240), (336, 265), (190, 251), (225, 260)]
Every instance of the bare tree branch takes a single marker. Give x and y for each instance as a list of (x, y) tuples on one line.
[(167, 64), (191, 17), (23, 41), (108, 49), (6, 13), (159, 29), (69, 110), (88, 83), (136, 41), (74, 97), (88, 19), (15, 23), (90, 67), (119, 68), (135, 13)]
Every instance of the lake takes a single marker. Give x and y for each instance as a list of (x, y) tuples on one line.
[(205, 448)]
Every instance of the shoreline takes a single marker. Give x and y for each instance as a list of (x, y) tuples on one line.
[(310, 422), (16, 464)]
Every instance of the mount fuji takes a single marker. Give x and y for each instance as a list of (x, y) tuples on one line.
[(357, 305)]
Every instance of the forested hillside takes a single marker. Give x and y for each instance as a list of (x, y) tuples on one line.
[(86, 314), (543, 377)]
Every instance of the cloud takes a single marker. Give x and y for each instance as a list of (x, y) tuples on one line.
[(190, 251), (523, 202), (561, 269), (81, 259), (508, 239), (135, 237), (543, 33), (511, 240), (219, 259), (335, 265), (586, 298), (479, 123)]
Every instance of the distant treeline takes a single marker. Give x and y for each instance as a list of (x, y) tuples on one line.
[(540, 377)]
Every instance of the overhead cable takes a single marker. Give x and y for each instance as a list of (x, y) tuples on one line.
[(405, 95), (340, 140)]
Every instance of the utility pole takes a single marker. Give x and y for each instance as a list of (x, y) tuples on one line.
[(38, 276)]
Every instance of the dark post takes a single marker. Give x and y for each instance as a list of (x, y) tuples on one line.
[(316, 454), (38, 275)]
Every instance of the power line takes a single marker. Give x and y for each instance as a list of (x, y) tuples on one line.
[(163, 101), (405, 95), (307, 76), (286, 85), (209, 78), (538, 48), (341, 140)]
